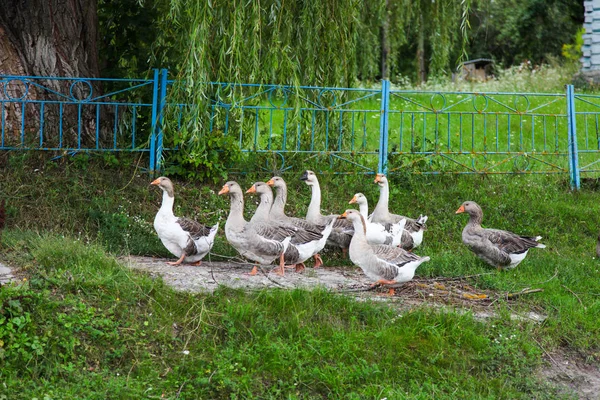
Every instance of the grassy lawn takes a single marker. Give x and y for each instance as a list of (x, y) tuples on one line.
[(82, 325)]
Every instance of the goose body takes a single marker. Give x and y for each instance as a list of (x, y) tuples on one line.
[(413, 230), (501, 249), (343, 230), (307, 239), (253, 240), (381, 263), (184, 238), (378, 233)]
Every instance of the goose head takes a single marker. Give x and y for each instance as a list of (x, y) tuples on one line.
[(165, 184), (358, 198), (309, 178), (230, 188), (259, 188), (355, 217), (276, 182), (381, 180), (471, 208)]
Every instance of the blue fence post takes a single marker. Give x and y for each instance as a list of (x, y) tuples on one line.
[(383, 126), (572, 139), (162, 98), (152, 166)]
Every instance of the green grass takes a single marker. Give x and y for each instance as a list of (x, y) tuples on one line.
[(81, 318), (83, 326)]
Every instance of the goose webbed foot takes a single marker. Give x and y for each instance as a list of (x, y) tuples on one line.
[(253, 272), (318, 260)]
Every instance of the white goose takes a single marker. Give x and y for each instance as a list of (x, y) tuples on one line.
[(277, 213), (184, 238), (253, 240), (413, 230), (342, 230), (306, 242), (386, 265), (378, 233)]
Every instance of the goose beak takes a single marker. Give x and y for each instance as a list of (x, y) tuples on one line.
[(251, 190), (353, 200), (377, 178), (155, 182), (343, 215), (270, 182), (224, 190), (304, 176), (461, 209)]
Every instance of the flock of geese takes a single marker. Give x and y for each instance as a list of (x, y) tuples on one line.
[(381, 243)]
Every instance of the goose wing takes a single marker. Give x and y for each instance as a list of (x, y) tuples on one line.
[(395, 256), (509, 242), (194, 228)]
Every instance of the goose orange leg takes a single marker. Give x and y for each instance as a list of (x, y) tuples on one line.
[(254, 271), (281, 269), (178, 262), (197, 263), (318, 260), (383, 282)]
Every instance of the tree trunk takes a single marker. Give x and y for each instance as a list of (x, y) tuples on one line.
[(48, 38)]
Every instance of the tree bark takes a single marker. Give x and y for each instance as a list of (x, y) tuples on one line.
[(47, 38)]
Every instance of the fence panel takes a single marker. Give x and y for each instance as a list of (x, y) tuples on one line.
[(587, 118), (341, 124), (75, 114), (477, 133)]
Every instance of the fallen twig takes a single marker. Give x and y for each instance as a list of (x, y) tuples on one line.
[(522, 292), (575, 294), (548, 280), (454, 278)]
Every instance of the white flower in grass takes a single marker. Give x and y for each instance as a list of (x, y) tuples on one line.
[(186, 352)]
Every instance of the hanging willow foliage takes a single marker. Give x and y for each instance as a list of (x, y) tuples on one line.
[(292, 42)]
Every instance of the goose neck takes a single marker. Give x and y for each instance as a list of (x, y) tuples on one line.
[(314, 208)]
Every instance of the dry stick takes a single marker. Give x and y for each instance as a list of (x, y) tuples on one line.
[(575, 294), (545, 352), (553, 276), (179, 391), (456, 278), (522, 292)]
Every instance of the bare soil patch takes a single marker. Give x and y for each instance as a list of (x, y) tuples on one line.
[(457, 294), (572, 375)]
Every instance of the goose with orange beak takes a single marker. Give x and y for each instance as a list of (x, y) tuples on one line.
[(383, 264), (390, 234), (254, 241), (412, 236), (501, 249), (184, 238), (305, 243)]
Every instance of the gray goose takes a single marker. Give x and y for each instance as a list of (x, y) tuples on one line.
[(342, 229), (305, 243), (255, 241), (413, 230), (277, 213), (501, 249), (386, 265), (184, 238), (598, 247)]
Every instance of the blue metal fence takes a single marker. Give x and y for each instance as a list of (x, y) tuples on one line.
[(366, 129)]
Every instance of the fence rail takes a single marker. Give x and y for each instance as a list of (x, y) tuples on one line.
[(366, 129)]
